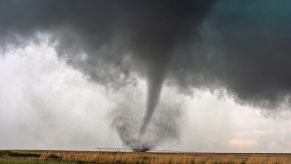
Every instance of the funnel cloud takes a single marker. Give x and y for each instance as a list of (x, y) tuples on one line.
[(242, 47)]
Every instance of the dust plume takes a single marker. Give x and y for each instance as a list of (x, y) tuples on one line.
[(126, 120)]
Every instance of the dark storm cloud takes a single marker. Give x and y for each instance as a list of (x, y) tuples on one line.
[(107, 31), (245, 49)]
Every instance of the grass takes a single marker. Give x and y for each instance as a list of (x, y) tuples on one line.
[(33, 161), (64, 157)]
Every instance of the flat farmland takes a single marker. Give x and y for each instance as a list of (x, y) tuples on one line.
[(62, 157)]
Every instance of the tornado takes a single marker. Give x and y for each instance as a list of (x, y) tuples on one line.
[(170, 25), (154, 84)]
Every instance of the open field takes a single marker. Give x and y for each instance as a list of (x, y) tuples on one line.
[(68, 157)]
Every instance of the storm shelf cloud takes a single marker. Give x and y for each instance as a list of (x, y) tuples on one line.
[(240, 46)]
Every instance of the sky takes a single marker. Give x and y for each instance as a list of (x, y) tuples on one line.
[(47, 104), (209, 75)]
